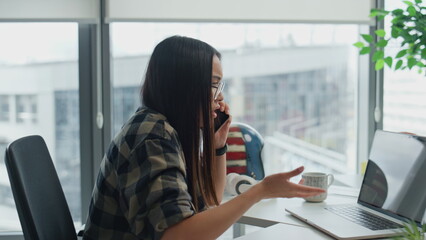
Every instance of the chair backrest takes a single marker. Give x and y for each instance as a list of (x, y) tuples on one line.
[(244, 154), (40, 200)]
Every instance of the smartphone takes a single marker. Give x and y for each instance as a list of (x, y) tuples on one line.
[(220, 119)]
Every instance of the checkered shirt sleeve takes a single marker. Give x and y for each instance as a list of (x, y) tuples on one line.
[(141, 188)]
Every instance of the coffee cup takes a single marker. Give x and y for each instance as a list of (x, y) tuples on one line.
[(319, 180)]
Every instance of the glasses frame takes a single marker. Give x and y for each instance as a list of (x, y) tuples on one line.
[(218, 89)]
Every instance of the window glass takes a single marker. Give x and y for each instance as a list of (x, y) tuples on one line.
[(294, 83), (39, 95), (404, 92), (4, 108), (26, 107)]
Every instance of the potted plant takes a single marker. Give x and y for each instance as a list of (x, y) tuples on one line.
[(412, 232), (408, 26)]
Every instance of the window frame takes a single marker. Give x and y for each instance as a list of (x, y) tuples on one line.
[(95, 102), (371, 107)]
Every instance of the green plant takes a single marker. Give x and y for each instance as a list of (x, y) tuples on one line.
[(412, 232), (408, 25)]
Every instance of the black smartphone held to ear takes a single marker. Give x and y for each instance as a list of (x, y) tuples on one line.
[(220, 119)]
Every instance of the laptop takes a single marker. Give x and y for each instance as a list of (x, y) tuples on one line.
[(393, 192)]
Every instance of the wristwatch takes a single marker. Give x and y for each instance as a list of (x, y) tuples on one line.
[(222, 150)]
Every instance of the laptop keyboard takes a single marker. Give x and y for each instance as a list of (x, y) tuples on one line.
[(363, 218)]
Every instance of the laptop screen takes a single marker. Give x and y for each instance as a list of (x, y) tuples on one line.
[(395, 178)]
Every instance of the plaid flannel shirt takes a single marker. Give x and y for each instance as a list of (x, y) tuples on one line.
[(141, 188)]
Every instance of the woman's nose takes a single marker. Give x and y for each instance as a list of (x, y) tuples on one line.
[(219, 97)]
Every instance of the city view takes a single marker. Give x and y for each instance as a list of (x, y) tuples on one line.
[(299, 90)]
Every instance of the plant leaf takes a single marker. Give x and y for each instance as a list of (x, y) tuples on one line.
[(416, 47), (423, 55), (411, 62), (378, 11), (359, 44), (408, 3), (407, 229), (379, 64), (420, 64), (398, 64), (380, 33), (378, 55), (410, 49), (401, 53), (418, 1), (395, 20), (388, 61), (397, 12), (382, 43), (373, 13), (415, 229), (412, 11), (395, 31), (367, 38), (364, 50)]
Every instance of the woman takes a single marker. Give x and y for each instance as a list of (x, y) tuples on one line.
[(164, 174)]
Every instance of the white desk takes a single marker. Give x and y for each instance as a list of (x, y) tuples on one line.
[(286, 231), (272, 211), (271, 215), (278, 224)]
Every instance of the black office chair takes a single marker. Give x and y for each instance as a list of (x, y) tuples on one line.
[(40, 201)]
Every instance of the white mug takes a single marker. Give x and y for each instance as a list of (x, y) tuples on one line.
[(320, 180), (237, 184)]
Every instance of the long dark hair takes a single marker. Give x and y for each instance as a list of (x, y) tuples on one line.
[(178, 85)]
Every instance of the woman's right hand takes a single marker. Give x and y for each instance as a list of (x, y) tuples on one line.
[(279, 186)]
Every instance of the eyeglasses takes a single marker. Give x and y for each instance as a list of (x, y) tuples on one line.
[(216, 90)]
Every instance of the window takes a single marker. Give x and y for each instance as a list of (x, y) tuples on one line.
[(294, 83), (26, 109), (126, 101), (39, 95), (4, 108), (404, 92)]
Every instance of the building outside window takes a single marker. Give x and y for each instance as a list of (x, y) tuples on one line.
[(26, 109), (295, 83), (404, 91), (4, 108), (39, 95)]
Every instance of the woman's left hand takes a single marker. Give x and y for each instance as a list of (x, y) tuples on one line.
[(221, 134)]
